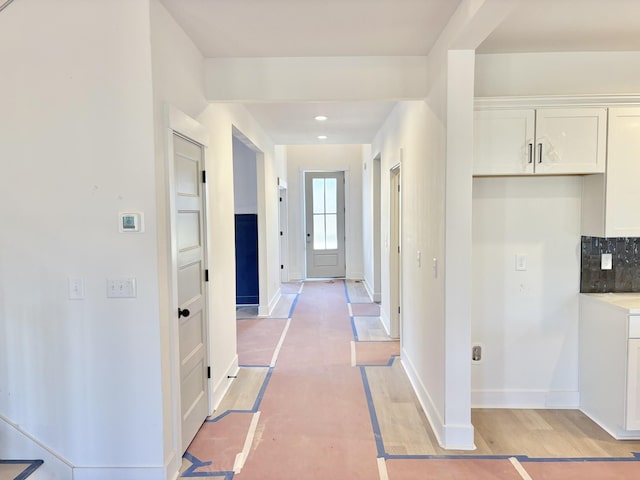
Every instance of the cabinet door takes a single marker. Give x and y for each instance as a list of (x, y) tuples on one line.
[(571, 140), (503, 142), (623, 173), (633, 386)]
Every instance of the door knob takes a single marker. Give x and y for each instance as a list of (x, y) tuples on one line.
[(183, 313)]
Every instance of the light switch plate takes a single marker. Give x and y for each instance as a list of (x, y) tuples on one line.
[(521, 262), (606, 261), (121, 288), (76, 289)]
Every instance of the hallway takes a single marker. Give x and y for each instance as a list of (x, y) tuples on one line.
[(321, 393)]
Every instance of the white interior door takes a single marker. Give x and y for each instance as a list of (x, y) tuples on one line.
[(191, 314), (324, 200)]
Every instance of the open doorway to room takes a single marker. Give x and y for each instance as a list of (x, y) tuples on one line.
[(325, 226), (245, 192)]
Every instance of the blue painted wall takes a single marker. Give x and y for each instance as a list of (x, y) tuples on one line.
[(247, 289)]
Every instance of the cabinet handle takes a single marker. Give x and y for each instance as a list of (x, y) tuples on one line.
[(531, 153), (539, 153)]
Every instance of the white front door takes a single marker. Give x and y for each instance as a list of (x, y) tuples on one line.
[(191, 315), (324, 199)]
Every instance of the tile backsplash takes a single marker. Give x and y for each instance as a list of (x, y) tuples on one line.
[(625, 274)]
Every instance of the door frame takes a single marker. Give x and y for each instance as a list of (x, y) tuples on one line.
[(283, 222), (377, 228), (185, 126), (395, 252)]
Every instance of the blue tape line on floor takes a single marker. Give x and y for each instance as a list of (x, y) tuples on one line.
[(372, 413), (354, 329), (191, 471), (346, 291), (293, 305)]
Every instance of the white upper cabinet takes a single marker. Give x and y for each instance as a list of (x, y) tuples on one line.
[(611, 202), (550, 141)]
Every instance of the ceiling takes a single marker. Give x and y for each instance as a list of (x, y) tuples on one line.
[(568, 25), (311, 28)]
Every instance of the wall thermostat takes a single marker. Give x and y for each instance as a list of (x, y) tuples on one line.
[(131, 222)]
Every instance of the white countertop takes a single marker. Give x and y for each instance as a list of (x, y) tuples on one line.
[(626, 301)]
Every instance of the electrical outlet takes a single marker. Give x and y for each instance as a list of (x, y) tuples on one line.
[(521, 262), (606, 261)]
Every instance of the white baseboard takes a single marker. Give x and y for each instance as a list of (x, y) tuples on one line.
[(223, 384), (376, 297), (118, 473), (450, 437), (272, 303), (538, 399), (172, 465), (17, 444), (296, 276), (616, 432), (386, 323)]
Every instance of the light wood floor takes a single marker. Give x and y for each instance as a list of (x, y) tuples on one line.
[(534, 433), (244, 390), (370, 329), (9, 471), (357, 292)]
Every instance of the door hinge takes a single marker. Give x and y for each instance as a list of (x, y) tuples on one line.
[(398, 249), (281, 234), (398, 188), (208, 372), (204, 176), (206, 275), (280, 198), (398, 309), (281, 267)]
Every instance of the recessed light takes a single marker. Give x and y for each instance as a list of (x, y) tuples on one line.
[(321, 118), (322, 137)]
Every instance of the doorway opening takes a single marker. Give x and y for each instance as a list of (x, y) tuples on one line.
[(245, 195)]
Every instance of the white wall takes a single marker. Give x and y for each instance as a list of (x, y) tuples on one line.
[(245, 178), (432, 141), (315, 78), (348, 158), (565, 73), (526, 321), (414, 128), (77, 148)]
